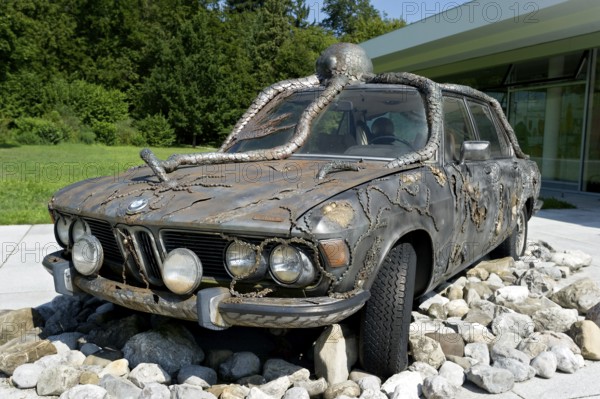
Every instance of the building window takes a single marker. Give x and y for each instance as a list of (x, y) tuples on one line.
[(591, 165)]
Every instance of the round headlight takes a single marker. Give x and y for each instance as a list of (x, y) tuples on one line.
[(291, 266), (78, 229), (182, 271), (61, 230), (88, 255), (240, 259)]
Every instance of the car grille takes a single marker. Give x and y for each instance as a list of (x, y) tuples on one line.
[(104, 233), (141, 253), (208, 247), (142, 256)]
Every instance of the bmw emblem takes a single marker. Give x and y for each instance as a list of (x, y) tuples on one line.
[(137, 206)]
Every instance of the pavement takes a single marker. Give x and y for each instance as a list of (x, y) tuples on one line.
[(24, 283)]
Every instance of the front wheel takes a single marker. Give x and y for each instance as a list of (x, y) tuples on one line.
[(386, 315), (514, 245)]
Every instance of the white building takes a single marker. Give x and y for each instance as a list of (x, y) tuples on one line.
[(540, 59)]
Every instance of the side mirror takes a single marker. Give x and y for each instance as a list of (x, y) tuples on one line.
[(475, 151)]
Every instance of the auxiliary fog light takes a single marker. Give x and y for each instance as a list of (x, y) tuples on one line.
[(182, 271), (240, 259), (87, 255), (78, 229), (291, 266), (61, 230)]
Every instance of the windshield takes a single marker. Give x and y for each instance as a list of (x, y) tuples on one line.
[(382, 121)]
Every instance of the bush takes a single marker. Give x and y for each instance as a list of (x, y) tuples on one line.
[(106, 132), (127, 134), (156, 131), (91, 103), (37, 131)]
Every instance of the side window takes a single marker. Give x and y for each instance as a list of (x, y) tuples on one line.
[(487, 130), (457, 128)]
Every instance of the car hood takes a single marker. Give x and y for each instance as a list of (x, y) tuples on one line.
[(214, 197)]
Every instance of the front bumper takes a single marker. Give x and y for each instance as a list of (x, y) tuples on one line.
[(213, 308)]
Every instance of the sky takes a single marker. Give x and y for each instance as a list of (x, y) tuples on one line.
[(414, 10)]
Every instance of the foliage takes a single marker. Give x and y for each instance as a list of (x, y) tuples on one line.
[(37, 131), (555, 203), (156, 131), (96, 70), (357, 21)]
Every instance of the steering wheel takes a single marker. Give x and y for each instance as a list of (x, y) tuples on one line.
[(392, 138)]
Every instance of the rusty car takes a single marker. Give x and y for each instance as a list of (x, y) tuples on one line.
[(346, 192)]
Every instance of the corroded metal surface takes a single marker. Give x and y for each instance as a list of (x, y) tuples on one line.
[(454, 212)]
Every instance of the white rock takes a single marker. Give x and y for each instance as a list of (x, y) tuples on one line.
[(428, 350), (438, 387), (566, 360), (296, 393), (146, 373), (457, 308), (575, 260), (372, 394), (410, 382), (371, 382), (86, 391), (474, 332), (422, 327), (478, 351), (513, 322), (554, 319), (336, 351), (27, 375), (453, 373), (119, 387), (56, 380), (118, 368), (277, 387), (545, 364), (511, 293), (186, 391), (155, 391), (424, 369), (430, 299), (492, 379), (520, 371)]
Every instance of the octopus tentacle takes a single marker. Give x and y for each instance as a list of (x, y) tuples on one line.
[(339, 65), (433, 106), (264, 97)]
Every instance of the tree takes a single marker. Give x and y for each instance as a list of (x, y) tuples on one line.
[(344, 14), (366, 29), (356, 21)]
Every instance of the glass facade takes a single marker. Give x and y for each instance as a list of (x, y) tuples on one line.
[(554, 106), (591, 160)]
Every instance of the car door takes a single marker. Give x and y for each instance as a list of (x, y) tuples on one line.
[(458, 129), (473, 183), (501, 181)]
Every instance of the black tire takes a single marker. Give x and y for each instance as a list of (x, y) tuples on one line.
[(514, 246), (386, 316)]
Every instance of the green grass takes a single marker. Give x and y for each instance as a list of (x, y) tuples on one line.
[(29, 175), (554, 203)]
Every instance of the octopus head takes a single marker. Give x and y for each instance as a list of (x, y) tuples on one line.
[(343, 59)]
